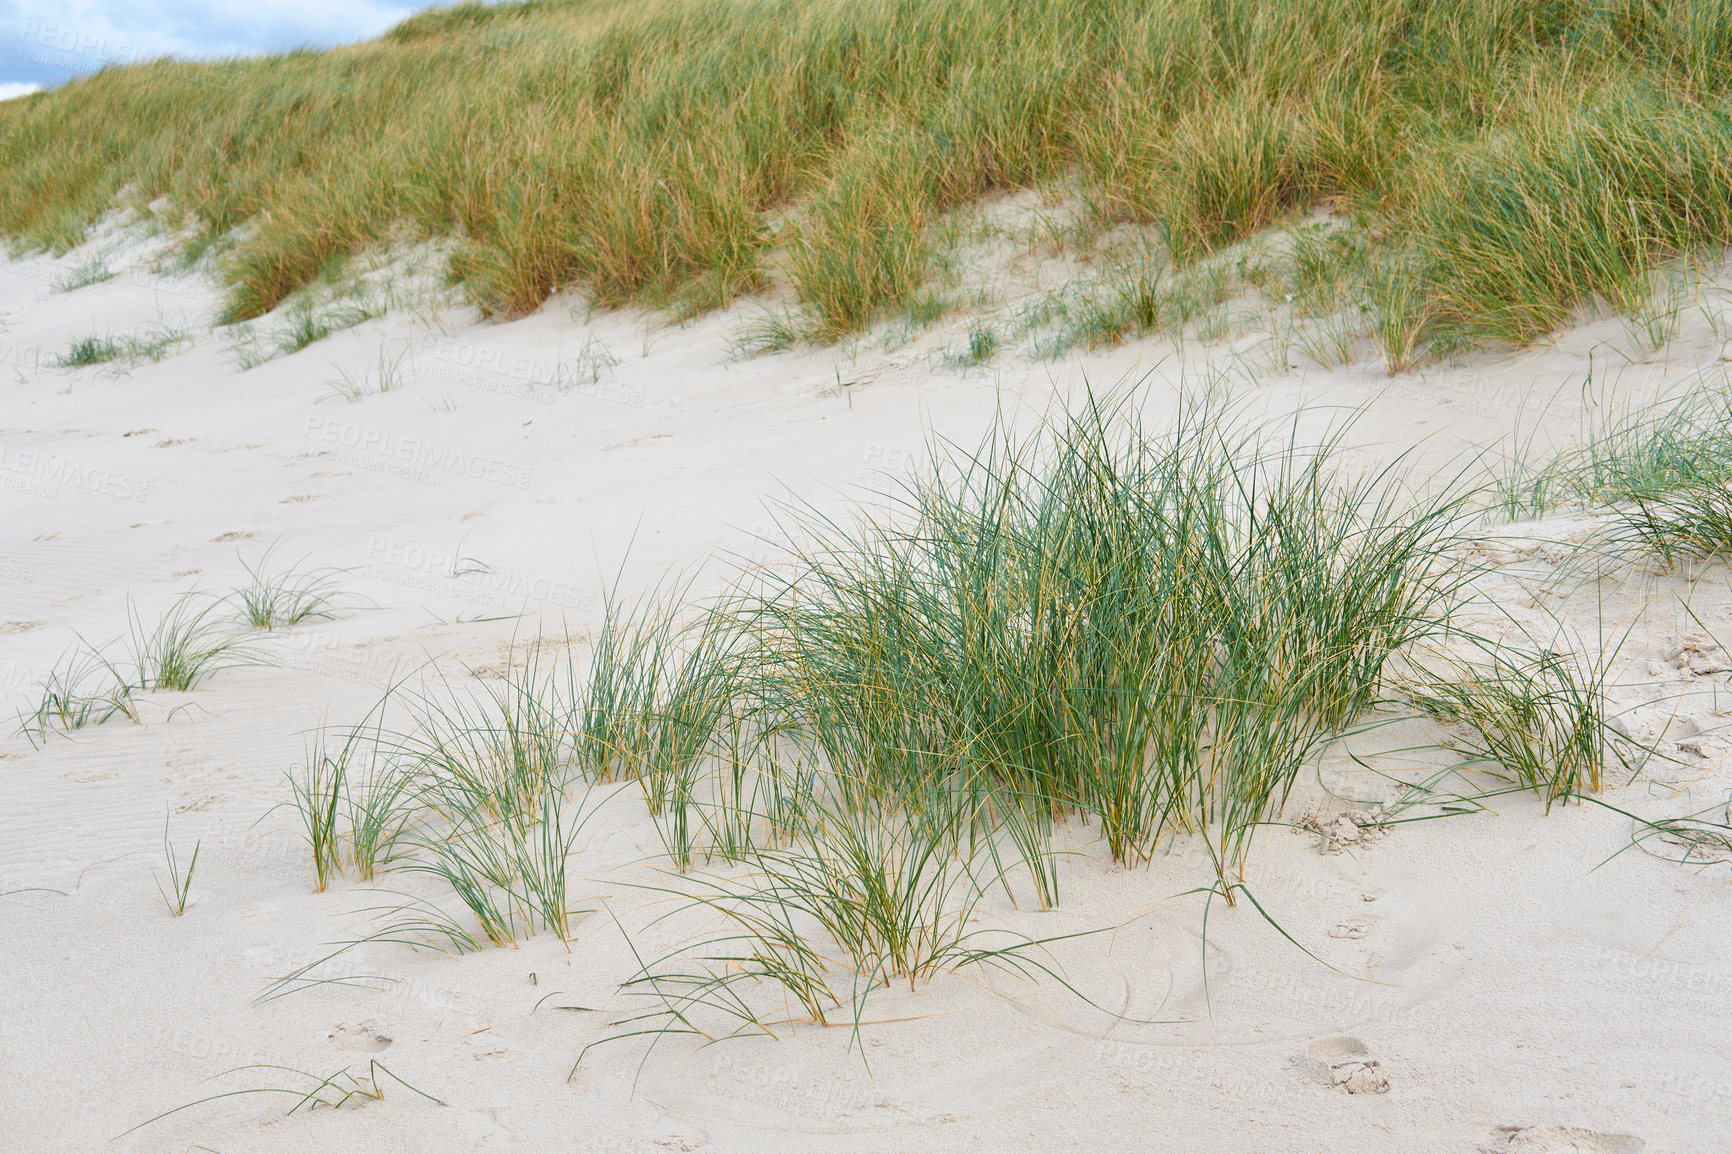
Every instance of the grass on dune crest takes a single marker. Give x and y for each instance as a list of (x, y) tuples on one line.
[(1516, 160)]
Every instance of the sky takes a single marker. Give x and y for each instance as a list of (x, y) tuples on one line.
[(45, 42)]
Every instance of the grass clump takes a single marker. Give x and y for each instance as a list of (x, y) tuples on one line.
[(476, 789), (292, 596), (87, 351), (980, 346), (1531, 159), (1537, 717), (150, 345), (188, 644), (84, 689), (89, 687), (1150, 631), (1686, 524), (868, 897), (355, 799)]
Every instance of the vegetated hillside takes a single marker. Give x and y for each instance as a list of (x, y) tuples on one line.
[(1503, 162)]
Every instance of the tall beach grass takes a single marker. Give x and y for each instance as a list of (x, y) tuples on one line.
[(1524, 158)]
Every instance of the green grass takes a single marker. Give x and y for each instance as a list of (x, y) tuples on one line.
[(384, 376), (309, 1091), (1692, 523), (91, 272), (768, 332), (89, 351), (1510, 162), (151, 344), (174, 894), (85, 688), (1149, 631), (1537, 717), (305, 323), (1663, 467), (278, 599), (981, 344), (189, 643), (869, 897), (1092, 628)]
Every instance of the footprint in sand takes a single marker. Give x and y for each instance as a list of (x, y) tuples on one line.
[(1352, 930), (362, 1036), (1560, 1140), (1345, 1062)]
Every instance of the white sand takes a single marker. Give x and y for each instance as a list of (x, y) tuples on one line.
[(1512, 995)]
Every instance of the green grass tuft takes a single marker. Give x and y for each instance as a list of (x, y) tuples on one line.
[(280, 599), (152, 345)]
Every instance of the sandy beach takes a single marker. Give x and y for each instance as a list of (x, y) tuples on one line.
[(1504, 980)]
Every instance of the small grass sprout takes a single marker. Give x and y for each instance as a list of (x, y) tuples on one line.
[(92, 272), (981, 346), (769, 332), (306, 322), (593, 364), (317, 793), (174, 893), (385, 375), (92, 350)]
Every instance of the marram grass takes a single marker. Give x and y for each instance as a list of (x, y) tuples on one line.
[(1147, 635), (1516, 159)]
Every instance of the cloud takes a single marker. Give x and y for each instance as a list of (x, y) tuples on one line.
[(11, 91), (51, 40)]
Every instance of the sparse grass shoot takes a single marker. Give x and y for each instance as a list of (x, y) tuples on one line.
[(92, 272), (174, 894), (309, 1091), (768, 332), (385, 375)]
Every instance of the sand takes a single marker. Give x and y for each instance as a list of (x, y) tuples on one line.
[(1495, 981)]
